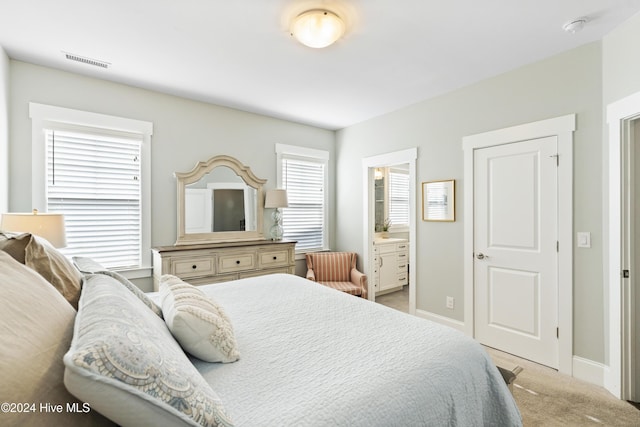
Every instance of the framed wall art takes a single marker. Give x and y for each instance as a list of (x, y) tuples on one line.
[(439, 200)]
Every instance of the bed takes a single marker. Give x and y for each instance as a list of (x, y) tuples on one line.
[(306, 355), (313, 356)]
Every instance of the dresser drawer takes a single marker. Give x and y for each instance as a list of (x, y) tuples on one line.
[(220, 262), (193, 267), (403, 278), (403, 266), (402, 247), (267, 259), (236, 262), (386, 248)]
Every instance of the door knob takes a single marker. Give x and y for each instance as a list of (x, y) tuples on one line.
[(480, 255)]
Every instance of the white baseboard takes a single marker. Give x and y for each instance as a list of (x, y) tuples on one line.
[(589, 371), (455, 324), (583, 369)]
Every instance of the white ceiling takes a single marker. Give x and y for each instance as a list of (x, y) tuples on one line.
[(238, 53)]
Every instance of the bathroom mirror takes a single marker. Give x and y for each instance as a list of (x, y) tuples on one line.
[(219, 200)]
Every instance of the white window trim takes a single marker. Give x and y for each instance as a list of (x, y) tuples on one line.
[(43, 116), (307, 153)]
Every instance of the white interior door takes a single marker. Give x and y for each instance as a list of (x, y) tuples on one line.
[(515, 248), (198, 210), (634, 240)]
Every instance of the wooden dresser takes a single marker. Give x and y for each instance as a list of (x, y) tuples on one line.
[(220, 262)]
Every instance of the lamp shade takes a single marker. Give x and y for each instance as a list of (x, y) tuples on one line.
[(317, 28), (50, 226), (276, 198)]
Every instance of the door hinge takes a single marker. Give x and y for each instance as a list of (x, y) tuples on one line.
[(625, 274), (557, 332), (557, 245), (557, 156)]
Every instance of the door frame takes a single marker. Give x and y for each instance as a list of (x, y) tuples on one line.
[(408, 156), (620, 350), (562, 128)]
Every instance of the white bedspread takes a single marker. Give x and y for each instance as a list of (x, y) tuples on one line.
[(312, 356)]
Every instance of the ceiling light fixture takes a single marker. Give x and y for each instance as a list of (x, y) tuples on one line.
[(575, 25), (317, 28)]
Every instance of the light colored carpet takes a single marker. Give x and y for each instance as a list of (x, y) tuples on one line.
[(546, 397)]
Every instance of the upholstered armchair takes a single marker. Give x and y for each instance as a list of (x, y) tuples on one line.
[(337, 270)]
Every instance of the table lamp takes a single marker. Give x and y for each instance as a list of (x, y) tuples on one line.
[(277, 199), (49, 226)]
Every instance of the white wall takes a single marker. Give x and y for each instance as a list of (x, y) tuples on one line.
[(4, 131), (184, 132), (564, 84)]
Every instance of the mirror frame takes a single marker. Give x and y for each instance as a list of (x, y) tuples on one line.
[(201, 169)]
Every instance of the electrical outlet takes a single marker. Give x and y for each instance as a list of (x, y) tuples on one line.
[(450, 303)]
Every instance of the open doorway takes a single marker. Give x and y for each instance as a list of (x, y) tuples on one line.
[(622, 377), (388, 249)]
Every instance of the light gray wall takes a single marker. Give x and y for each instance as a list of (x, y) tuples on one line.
[(4, 131), (621, 61), (184, 132), (564, 84)]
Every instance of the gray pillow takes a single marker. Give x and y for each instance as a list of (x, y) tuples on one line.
[(125, 363), (56, 268)]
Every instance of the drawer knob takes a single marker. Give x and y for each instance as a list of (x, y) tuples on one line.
[(194, 266), (238, 262), (275, 258)]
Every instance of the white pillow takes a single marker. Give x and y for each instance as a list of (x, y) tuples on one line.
[(199, 324)]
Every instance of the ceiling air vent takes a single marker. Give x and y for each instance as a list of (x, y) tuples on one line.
[(84, 60)]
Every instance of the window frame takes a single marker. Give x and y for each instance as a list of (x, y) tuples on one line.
[(397, 228), (47, 117), (284, 151)]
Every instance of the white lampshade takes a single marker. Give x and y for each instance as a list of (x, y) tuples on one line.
[(47, 225), (317, 28), (276, 198)]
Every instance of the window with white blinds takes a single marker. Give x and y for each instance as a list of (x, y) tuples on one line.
[(398, 198), (94, 179), (303, 173)]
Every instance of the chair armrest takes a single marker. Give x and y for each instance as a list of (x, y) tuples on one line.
[(360, 279), (311, 275)]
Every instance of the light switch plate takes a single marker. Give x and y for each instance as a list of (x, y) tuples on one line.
[(584, 239)]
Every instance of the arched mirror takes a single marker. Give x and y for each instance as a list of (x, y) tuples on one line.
[(219, 200)]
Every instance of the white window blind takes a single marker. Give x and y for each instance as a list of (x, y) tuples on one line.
[(94, 179), (398, 198), (304, 219)]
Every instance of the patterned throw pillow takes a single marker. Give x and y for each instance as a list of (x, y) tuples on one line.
[(124, 362), (198, 323)]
